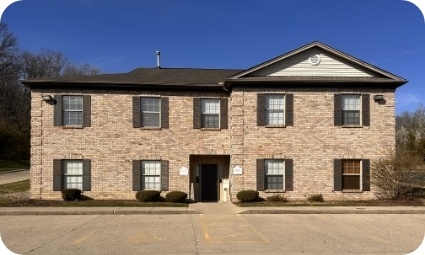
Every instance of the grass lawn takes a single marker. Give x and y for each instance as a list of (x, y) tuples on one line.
[(25, 185), (7, 165)]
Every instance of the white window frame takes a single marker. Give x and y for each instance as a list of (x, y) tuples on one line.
[(268, 111), (266, 174), (64, 111), (142, 175), (343, 96), (150, 112), (66, 185), (206, 114), (360, 174)]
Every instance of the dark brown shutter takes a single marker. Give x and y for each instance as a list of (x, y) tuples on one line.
[(260, 174), (164, 175), (57, 175), (337, 174), (261, 109), (86, 175), (57, 119), (196, 113), (136, 112), (289, 110), (366, 110), (337, 110), (86, 111), (164, 112), (224, 113), (136, 175), (289, 175), (366, 174)]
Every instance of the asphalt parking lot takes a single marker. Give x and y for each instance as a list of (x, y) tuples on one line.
[(213, 234)]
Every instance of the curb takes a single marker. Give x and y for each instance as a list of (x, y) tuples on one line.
[(371, 211), (94, 212)]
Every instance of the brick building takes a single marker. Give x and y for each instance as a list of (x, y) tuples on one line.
[(306, 122)]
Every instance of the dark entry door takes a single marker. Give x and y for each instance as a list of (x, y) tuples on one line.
[(209, 182)]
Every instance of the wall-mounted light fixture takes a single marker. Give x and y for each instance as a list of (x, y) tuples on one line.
[(47, 98), (378, 98)]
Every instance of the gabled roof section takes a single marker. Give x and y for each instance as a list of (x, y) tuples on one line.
[(334, 66)]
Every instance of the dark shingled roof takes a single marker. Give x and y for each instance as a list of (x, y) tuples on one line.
[(148, 76)]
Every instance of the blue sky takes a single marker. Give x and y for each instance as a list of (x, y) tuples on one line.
[(121, 35)]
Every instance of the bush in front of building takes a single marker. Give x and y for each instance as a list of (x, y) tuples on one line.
[(148, 195), (71, 194), (247, 195), (315, 198), (277, 198), (176, 197)]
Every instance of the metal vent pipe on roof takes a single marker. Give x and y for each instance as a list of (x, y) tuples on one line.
[(158, 59)]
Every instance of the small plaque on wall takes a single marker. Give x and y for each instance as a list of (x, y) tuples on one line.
[(184, 171), (237, 170)]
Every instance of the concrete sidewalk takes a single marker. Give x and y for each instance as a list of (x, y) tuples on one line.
[(212, 208), (14, 176)]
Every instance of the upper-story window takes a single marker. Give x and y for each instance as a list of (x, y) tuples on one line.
[(352, 110), (351, 107), (72, 110), (150, 112), (210, 113), (275, 110)]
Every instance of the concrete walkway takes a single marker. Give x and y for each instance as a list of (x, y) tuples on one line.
[(212, 208), (14, 176)]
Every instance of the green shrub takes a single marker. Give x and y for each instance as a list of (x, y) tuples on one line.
[(148, 195), (276, 198), (247, 195), (176, 197), (315, 198), (71, 194)]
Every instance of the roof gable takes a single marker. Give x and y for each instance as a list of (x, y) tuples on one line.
[(333, 64)]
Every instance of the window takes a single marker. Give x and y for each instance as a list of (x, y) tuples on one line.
[(352, 174), (351, 109), (210, 113), (151, 172), (150, 112), (72, 110), (274, 174), (275, 110), (150, 175), (71, 174), (210, 110)]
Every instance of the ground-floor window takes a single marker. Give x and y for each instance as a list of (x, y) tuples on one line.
[(351, 174), (73, 174), (274, 170), (151, 175)]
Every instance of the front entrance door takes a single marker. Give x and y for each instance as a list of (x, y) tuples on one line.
[(209, 182)]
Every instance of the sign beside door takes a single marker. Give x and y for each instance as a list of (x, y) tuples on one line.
[(237, 170)]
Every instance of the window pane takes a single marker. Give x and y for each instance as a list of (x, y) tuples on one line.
[(150, 104), (210, 106), (210, 121), (351, 182), (351, 102), (274, 118), (351, 167), (151, 183), (73, 118), (73, 167), (151, 168), (274, 102), (274, 167), (73, 103), (73, 182), (73, 174), (274, 182), (351, 117), (151, 119)]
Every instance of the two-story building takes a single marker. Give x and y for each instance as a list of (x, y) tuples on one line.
[(306, 122)]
